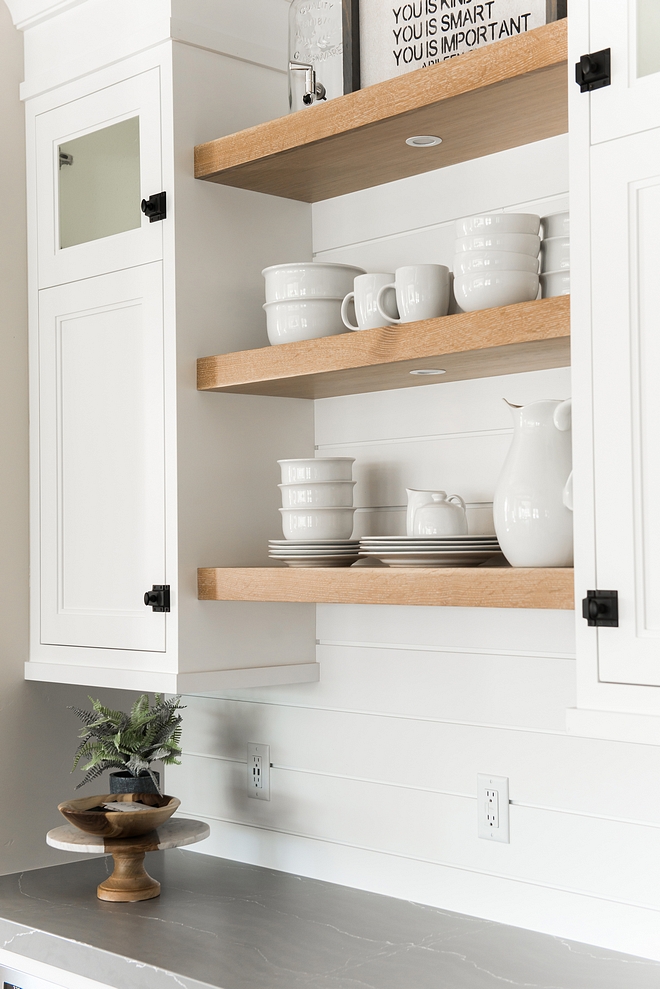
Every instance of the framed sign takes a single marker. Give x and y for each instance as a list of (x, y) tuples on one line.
[(324, 50), (398, 36)]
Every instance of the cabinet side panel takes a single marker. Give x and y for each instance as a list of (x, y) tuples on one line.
[(228, 445)]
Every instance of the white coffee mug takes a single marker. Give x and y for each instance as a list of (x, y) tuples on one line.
[(422, 291), (363, 296)]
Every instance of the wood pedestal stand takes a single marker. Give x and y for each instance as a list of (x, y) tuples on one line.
[(129, 881)]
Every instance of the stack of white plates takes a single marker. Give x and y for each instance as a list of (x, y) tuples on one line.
[(556, 255), (429, 551), (314, 552)]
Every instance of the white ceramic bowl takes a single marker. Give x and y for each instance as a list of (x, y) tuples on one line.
[(555, 283), (501, 223), (492, 241), (496, 288), (319, 494), (317, 523), (474, 262), (316, 469), (556, 224), (556, 254), (303, 319), (309, 280)]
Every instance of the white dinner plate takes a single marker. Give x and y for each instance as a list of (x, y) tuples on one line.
[(467, 558)]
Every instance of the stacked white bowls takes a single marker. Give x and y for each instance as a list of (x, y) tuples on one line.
[(496, 260), (317, 499), (303, 299), (556, 255)]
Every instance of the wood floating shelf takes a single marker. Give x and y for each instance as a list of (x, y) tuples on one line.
[(529, 336), (469, 587), (506, 94)]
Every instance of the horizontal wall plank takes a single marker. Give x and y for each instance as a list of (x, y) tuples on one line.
[(453, 409), (561, 850), (533, 178), (510, 632), (428, 685), (549, 770)]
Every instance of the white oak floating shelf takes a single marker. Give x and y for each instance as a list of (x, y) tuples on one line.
[(504, 95), (529, 336), (470, 587)]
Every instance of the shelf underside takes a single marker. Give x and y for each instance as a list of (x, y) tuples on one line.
[(529, 336), (479, 587), (501, 96)]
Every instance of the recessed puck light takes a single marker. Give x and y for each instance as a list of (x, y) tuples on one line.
[(424, 141), (428, 370)]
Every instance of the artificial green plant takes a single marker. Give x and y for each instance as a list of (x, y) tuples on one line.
[(129, 742)]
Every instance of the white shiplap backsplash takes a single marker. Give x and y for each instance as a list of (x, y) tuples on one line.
[(374, 768)]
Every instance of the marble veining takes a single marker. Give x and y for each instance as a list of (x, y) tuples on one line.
[(220, 924)]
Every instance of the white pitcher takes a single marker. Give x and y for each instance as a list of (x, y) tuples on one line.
[(432, 513), (533, 498)]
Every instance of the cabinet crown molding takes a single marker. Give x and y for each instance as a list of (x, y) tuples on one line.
[(28, 13)]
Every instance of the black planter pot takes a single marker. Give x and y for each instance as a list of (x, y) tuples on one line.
[(127, 783)]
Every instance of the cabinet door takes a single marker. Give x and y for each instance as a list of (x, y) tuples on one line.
[(97, 158), (625, 177), (101, 460), (631, 29)]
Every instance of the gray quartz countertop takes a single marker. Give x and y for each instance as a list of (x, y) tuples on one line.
[(227, 925)]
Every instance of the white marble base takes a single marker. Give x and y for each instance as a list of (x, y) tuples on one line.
[(174, 833)]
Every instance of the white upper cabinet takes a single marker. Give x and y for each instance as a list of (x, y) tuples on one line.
[(97, 158), (631, 29), (625, 205), (102, 460)]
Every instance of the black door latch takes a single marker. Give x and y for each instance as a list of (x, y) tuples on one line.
[(158, 597), (593, 71), (601, 608), (154, 207)]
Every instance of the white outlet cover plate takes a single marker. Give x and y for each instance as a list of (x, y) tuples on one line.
[(497, 807), (258, 771)]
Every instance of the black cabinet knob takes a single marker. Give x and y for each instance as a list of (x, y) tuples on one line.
[(158, 597), (155, 207)]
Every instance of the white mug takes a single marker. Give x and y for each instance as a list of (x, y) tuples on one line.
[(422, 291), (366, 288)]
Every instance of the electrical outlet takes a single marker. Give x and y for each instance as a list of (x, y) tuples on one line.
[(493, 807), (258, 771)]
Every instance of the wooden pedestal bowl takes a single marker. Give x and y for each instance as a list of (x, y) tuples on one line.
[(119, 824)]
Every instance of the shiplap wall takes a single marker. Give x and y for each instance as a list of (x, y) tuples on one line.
[(374, 768)]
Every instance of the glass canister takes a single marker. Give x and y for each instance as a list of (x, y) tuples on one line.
[(316, 46)]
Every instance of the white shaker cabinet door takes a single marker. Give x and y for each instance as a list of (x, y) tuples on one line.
[(102, 460), (625, 176), (631, 104), (96, 158)]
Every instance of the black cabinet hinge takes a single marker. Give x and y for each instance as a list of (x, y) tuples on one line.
[(158, 597), (154, 207), (601, 608), (593, 71)]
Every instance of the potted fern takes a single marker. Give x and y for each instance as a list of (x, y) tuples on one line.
[(129, 742)]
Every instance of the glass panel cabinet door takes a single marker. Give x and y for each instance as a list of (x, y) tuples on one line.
[(99, 184), (631, 29), (97, 158)]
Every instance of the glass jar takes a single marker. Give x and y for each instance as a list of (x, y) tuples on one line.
[(315, 39)]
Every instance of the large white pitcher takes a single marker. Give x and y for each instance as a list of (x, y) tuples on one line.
[(532, 504)]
